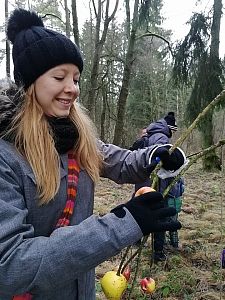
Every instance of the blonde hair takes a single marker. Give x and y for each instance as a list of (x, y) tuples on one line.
[(33, 139)]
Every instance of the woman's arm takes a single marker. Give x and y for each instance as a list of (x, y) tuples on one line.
[(39, 264)]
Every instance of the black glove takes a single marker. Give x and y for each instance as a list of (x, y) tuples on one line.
[(171, 161), (149, 212)]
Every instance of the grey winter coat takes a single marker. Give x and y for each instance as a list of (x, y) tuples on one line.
[(59, 264)]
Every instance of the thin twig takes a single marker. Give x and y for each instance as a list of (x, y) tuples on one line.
[(191, 162), (219, 98), (138, 263), (120, 270), (129, 260)]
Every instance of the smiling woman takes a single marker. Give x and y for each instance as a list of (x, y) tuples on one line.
[(50, 161), (57, 89)]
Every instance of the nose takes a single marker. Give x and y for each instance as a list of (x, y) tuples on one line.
[(71, 87)]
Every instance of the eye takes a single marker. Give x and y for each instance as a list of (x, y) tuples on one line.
[(58, 78), (76, 82)]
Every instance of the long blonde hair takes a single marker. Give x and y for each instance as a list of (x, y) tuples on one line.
[(33, 139)]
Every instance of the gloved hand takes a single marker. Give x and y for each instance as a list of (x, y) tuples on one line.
[(171, 162), (149, 212)]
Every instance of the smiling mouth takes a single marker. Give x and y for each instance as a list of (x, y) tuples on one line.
[(65, 102)]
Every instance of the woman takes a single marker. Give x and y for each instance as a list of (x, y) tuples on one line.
[(50, 161)]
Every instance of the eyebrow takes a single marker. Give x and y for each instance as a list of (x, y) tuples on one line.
[(57, 69)]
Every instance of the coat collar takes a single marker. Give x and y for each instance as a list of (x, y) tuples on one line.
[(10, 102)]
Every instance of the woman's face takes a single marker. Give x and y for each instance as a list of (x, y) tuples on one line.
[(57, 89)]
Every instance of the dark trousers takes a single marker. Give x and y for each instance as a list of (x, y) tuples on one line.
[(159, 241), (160, 237)]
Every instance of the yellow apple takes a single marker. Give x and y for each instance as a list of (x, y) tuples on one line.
[(113, 285)]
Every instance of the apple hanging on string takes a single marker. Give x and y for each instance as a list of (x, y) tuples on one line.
[(147, 285), (126, 273), (113, 285)]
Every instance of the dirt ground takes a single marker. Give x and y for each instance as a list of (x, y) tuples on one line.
[(193, 272)]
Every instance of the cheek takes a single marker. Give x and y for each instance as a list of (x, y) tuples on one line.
[(77, 90), (44, 88), (43, 95)]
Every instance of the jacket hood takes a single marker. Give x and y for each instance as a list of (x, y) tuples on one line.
[(10, 102), (159, 126)]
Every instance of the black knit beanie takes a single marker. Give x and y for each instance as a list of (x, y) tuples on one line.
[(170, 120), (37, 49)]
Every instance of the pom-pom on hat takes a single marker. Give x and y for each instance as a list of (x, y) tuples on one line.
[(171, 121), (37, 49)]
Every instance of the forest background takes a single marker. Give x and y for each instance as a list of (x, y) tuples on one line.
[(135, 72)]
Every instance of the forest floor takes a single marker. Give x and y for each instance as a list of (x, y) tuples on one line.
[(194, 271)]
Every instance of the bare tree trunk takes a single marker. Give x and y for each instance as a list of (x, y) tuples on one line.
[(103, 114), (215, 29), (7, 46), (67, 12), (95, 62), (121, 106), (211, 161), (75, 23), (99, 43)]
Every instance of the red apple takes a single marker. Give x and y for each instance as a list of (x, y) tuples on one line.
[(126, 273), (148, 285)]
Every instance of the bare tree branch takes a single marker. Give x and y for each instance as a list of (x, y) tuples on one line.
[(54, 16), (94, 6), (158, 36)]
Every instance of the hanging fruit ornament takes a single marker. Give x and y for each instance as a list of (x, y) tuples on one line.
[(126, 273), (113, 285), (147, 285)]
